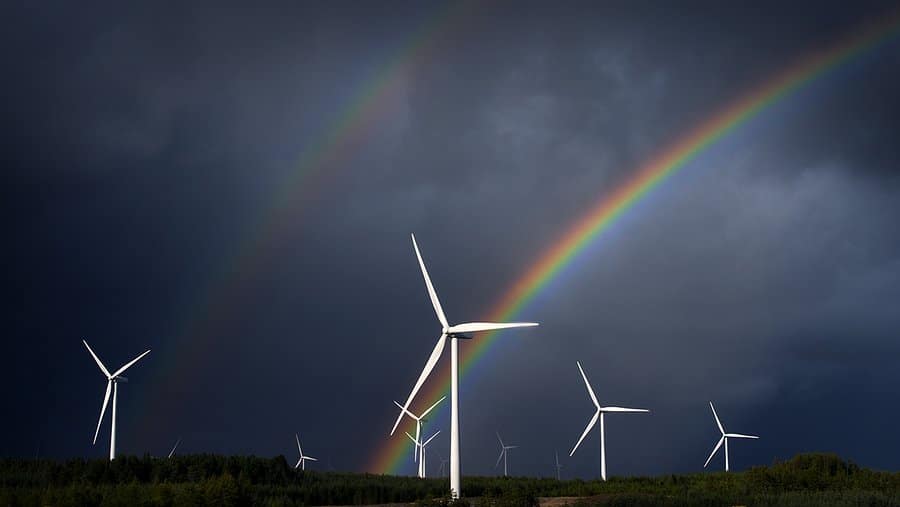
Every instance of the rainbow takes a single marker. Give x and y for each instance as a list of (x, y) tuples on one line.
[(391, 456), (370, 101)]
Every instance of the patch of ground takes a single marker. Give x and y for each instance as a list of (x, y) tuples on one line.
[(376, 505), (557, 501)]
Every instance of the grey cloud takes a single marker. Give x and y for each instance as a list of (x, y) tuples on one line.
[(762, 276)]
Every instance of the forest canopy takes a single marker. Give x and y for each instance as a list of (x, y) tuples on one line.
[(206, 479)]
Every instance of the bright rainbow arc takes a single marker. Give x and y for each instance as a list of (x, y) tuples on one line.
[(390, 457)]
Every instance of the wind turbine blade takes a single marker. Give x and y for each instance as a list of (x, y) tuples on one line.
[(298, 444), (588, 384), (500, 439), (430, 439), (502, 452), (97, 359), (406, 411), (429, 365), (173, 448), (103, 409), (299, 462), (128, 365), (431, 407), (713, 453), (511, 447), (718, 422), (309, 458), (474, 327), (586, 430), (431, 293), (738, 435), (411, 438), (622, 409)]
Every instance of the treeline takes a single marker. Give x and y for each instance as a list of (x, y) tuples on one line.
[(196, 480)]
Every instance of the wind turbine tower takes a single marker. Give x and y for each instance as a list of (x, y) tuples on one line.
[(601, 411), (724, 439), (503, 449), (558, 466), (420, 446), (112, 386), (452, 334)]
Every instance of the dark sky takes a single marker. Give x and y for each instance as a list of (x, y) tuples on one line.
[(148, 151)]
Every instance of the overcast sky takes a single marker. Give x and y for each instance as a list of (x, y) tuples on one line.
[(159, 194)]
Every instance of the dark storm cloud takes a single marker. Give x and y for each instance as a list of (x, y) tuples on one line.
[(144, 145)]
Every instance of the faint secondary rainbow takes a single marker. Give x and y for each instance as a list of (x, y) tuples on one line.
[(321, 157), (391, 455)]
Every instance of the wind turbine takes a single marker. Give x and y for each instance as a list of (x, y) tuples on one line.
[(419, 420), (421, 448), (172, 452), (725, 437), (451, 333), (599, 414), (503, 449), (558, 466), (112, 385), (443, 465), (301, 463)]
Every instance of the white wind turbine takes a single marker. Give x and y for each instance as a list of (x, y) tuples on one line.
[(599, 414), (112, 385), (443, 464), (301, 463), (421, 448), (451, 333), (419, 420), (725, 437), (558, 466), (503, 449)]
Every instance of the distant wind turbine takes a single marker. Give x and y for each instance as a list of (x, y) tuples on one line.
[(558, 466), (443, 465), (112, 385), (724, 439), (451, 333), (172, 452), (419, 420), (503, 449), (421, 448), (599, 414), (301, 463)]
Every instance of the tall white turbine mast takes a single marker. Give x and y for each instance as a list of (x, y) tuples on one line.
[(419, 420), (422, 457), (599, 414), (725, 437), (112, 385), (421, 448), (417, 447), (172, 452), (451, 333), (558, 466), (301, 463), (503, 449)]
